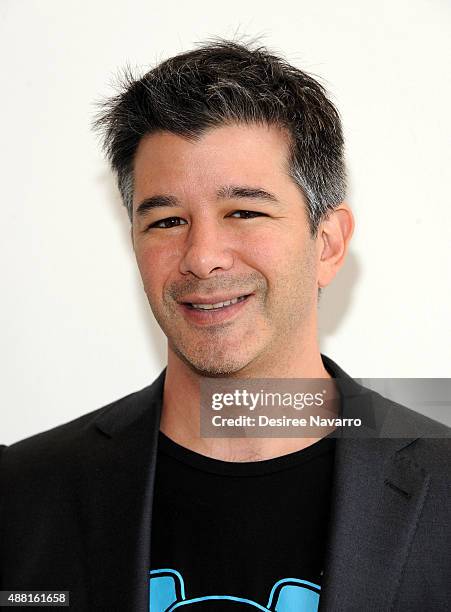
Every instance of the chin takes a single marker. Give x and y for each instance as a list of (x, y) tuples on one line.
[(213, 365)]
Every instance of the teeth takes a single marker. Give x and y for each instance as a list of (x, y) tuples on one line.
[(218, 304)]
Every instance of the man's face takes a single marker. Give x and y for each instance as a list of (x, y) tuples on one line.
[(219, 219)]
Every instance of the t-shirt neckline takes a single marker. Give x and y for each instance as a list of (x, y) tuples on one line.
[(169, 447)]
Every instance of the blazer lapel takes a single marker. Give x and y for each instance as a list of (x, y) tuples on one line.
[(116, 511), (378, 494)]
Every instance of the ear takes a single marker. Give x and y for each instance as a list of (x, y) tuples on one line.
[(334, 234)]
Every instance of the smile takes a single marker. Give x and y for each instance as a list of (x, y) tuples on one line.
[(206, 314), (218, 304)]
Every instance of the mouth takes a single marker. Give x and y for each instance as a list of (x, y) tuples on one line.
[(216, 305), (204, 313)]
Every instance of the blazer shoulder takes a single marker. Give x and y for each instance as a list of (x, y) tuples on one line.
[(428, 442), (399, 420), (64, 437)]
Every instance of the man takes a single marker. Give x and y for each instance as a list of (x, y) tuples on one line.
[(230, 164)]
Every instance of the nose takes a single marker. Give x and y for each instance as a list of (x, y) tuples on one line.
[(206, 250)]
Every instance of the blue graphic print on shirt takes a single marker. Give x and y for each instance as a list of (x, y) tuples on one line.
[(167, 593)]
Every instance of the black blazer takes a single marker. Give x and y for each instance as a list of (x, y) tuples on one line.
[(76, 508)]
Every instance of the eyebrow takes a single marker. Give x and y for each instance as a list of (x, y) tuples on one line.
[(155, 201), (224, 193), (254, 193)]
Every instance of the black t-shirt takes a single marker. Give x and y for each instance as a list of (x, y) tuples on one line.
[(239, 536)]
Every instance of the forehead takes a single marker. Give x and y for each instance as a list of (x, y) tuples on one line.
[(237, 154)]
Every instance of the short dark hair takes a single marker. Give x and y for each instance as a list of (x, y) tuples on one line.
[(223, 82)]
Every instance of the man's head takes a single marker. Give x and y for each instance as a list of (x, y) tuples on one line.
[(230, 164), (222, 83)]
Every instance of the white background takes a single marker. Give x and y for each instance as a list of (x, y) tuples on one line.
[(76, 328)]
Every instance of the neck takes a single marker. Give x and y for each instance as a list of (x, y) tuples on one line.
[(181, 410)]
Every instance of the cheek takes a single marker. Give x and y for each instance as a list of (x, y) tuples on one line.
[(156, 263), (274, 249), (288, 262)]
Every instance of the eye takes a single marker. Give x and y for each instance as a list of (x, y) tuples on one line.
[(248, 214), (167, 223)]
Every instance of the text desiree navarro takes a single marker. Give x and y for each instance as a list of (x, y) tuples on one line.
[(265, 421)]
